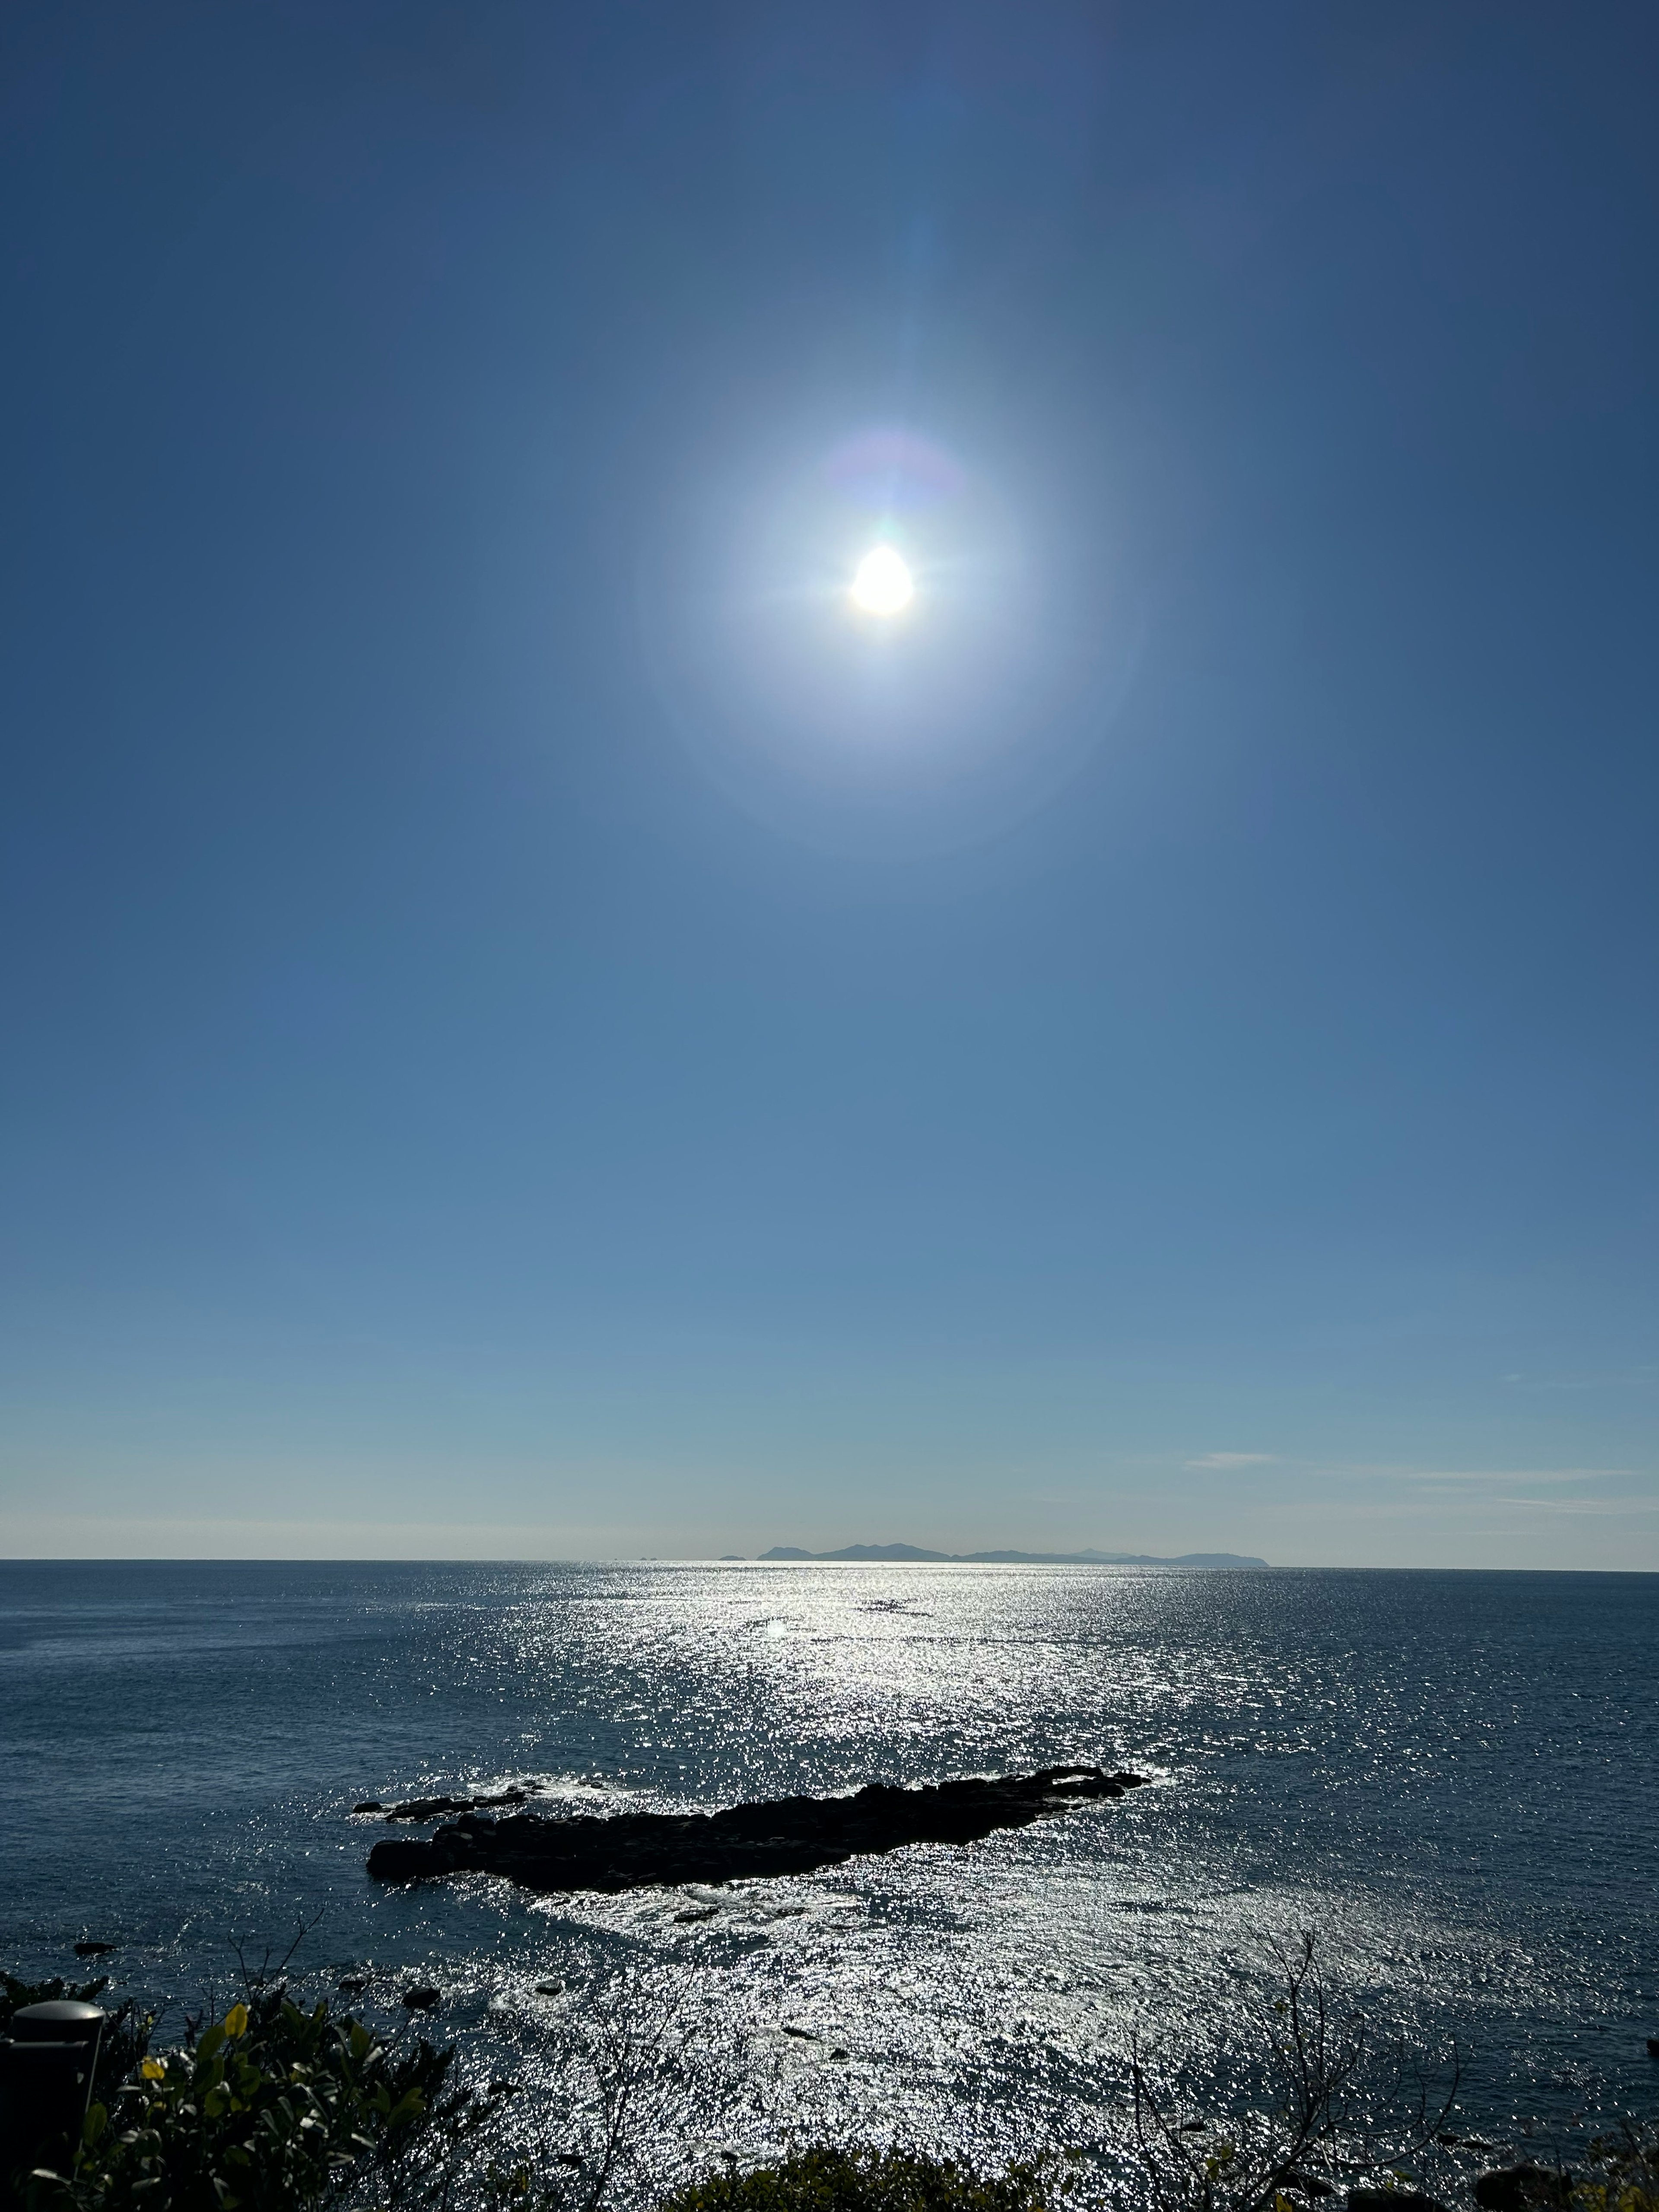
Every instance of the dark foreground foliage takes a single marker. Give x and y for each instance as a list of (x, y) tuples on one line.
[(1318, 2108), (266, 2110), (1619, 2172), (279, 2107), (830, 2181)]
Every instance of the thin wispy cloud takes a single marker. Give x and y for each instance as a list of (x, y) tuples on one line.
[(1220, 1462), (1543, 1476), (1586, 1505), (1625, 1378), (1520, 1477)]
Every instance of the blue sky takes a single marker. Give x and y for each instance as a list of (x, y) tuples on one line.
[(530, 1032)]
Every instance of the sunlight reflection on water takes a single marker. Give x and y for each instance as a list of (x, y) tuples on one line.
[(1445, 1774)]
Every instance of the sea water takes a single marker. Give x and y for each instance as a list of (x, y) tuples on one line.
[(1452, 1778)]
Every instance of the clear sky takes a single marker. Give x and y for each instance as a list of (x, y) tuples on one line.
[(533, 1027)]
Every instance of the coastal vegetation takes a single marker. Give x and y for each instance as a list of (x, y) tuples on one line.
[(281, 2104), (829, 2178), (265, 2109)]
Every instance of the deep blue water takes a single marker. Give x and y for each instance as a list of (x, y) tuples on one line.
[(1451, 1777)]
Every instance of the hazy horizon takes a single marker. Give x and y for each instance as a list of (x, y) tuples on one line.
[(533, 1556), (546, 1019), (734, 1560)]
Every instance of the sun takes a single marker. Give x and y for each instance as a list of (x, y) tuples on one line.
[(883, 585)]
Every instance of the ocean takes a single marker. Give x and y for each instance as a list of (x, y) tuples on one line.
[(1452, 1778)]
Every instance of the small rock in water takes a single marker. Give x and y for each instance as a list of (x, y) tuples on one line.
[(698, 1912), (419, 1997), (806, 2034), (1653, 2046), (434, 1809), (352, 1985), (90, 1950), (550, 1989)]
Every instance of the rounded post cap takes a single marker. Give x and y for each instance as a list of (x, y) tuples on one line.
[(60, 2020)]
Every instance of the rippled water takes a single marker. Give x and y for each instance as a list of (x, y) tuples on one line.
[(1451, 1777)]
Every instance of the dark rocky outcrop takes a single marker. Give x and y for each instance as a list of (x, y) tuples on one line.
[(787, 1835)]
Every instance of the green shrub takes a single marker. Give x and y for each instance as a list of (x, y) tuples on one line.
[(1620, 2171), (267, 2111), (830, 2180)]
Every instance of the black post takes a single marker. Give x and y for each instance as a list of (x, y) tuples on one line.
[(45, 2085)]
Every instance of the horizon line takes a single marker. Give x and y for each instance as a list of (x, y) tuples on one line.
[(707, 1559)]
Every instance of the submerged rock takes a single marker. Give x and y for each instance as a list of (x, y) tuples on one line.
[(434, 1808), (786, 1835)]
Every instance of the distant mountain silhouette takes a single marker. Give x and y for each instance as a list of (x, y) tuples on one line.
[(1217, 1559)]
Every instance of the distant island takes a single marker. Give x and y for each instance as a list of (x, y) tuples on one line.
[(1222, 1560)]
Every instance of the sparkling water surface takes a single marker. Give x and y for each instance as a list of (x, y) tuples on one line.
[(1451, 1776)]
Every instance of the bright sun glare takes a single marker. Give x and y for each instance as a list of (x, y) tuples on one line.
[(883, 584)]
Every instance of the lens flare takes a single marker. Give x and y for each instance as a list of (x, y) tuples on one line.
[(874, 649), (885, 470), (883, 584)]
